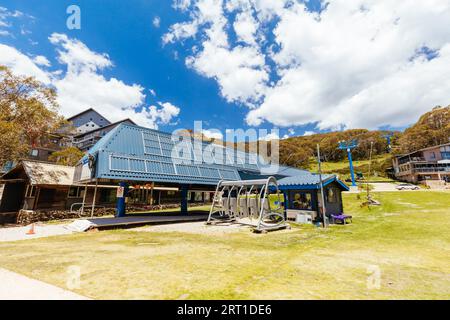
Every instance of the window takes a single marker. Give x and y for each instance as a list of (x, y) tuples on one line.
[(445, 155), (108, 195), (75, 192), (198, 196), (301, 201), (30, 192), (34, 153), (332, 195)]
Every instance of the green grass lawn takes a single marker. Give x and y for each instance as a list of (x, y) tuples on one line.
[(407, 238), (334, 166)]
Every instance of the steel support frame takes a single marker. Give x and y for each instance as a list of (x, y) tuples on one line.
[(244, 188)]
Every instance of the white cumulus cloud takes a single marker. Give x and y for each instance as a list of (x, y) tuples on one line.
[(41, 61), (272, 136), (156, 22), (5, 20), (357, 63), (164, 113), (83, 85), (77, 56), (21, 64), (213, 134)]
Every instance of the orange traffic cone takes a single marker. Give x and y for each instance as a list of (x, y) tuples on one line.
[(31, 231)]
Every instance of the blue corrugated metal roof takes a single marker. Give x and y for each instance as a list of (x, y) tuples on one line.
[(291, 172), (103, 141), (303, 179), (309, 180), (130, 152)]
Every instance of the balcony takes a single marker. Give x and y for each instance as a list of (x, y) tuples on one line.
[(88, 137), (411, 159), (432, 168)]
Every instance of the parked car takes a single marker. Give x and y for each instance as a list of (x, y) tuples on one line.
[(407, 186)]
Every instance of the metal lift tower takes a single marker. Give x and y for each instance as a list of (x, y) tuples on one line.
[(349, 146), (388, 137)]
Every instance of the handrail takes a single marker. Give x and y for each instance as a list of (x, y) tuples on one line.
[(82, 207)]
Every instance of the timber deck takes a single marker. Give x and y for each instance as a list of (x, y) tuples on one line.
[(134, 220)]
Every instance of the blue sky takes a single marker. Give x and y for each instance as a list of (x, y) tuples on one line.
[(314, 93), (124, 30)]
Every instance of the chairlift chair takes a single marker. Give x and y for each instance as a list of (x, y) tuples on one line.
[(242, 203)]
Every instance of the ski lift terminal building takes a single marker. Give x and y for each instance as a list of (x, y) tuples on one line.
[(137, 166), (133, 155)]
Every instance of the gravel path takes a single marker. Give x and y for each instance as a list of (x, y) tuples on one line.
[(18, 287), (20, 233), (384, 187)]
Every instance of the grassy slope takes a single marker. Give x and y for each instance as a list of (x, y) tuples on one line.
[(334, 166), (343, 169), (407, 238)]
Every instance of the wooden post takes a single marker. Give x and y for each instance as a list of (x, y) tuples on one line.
[(151, 193), (93, 200), (368, 176), (146, 195), (36, 199)]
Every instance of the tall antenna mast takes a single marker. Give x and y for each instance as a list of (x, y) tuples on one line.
[(368, 176), (324, 208)]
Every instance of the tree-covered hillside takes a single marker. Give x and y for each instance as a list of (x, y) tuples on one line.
[(297, 151), (433, 128)]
